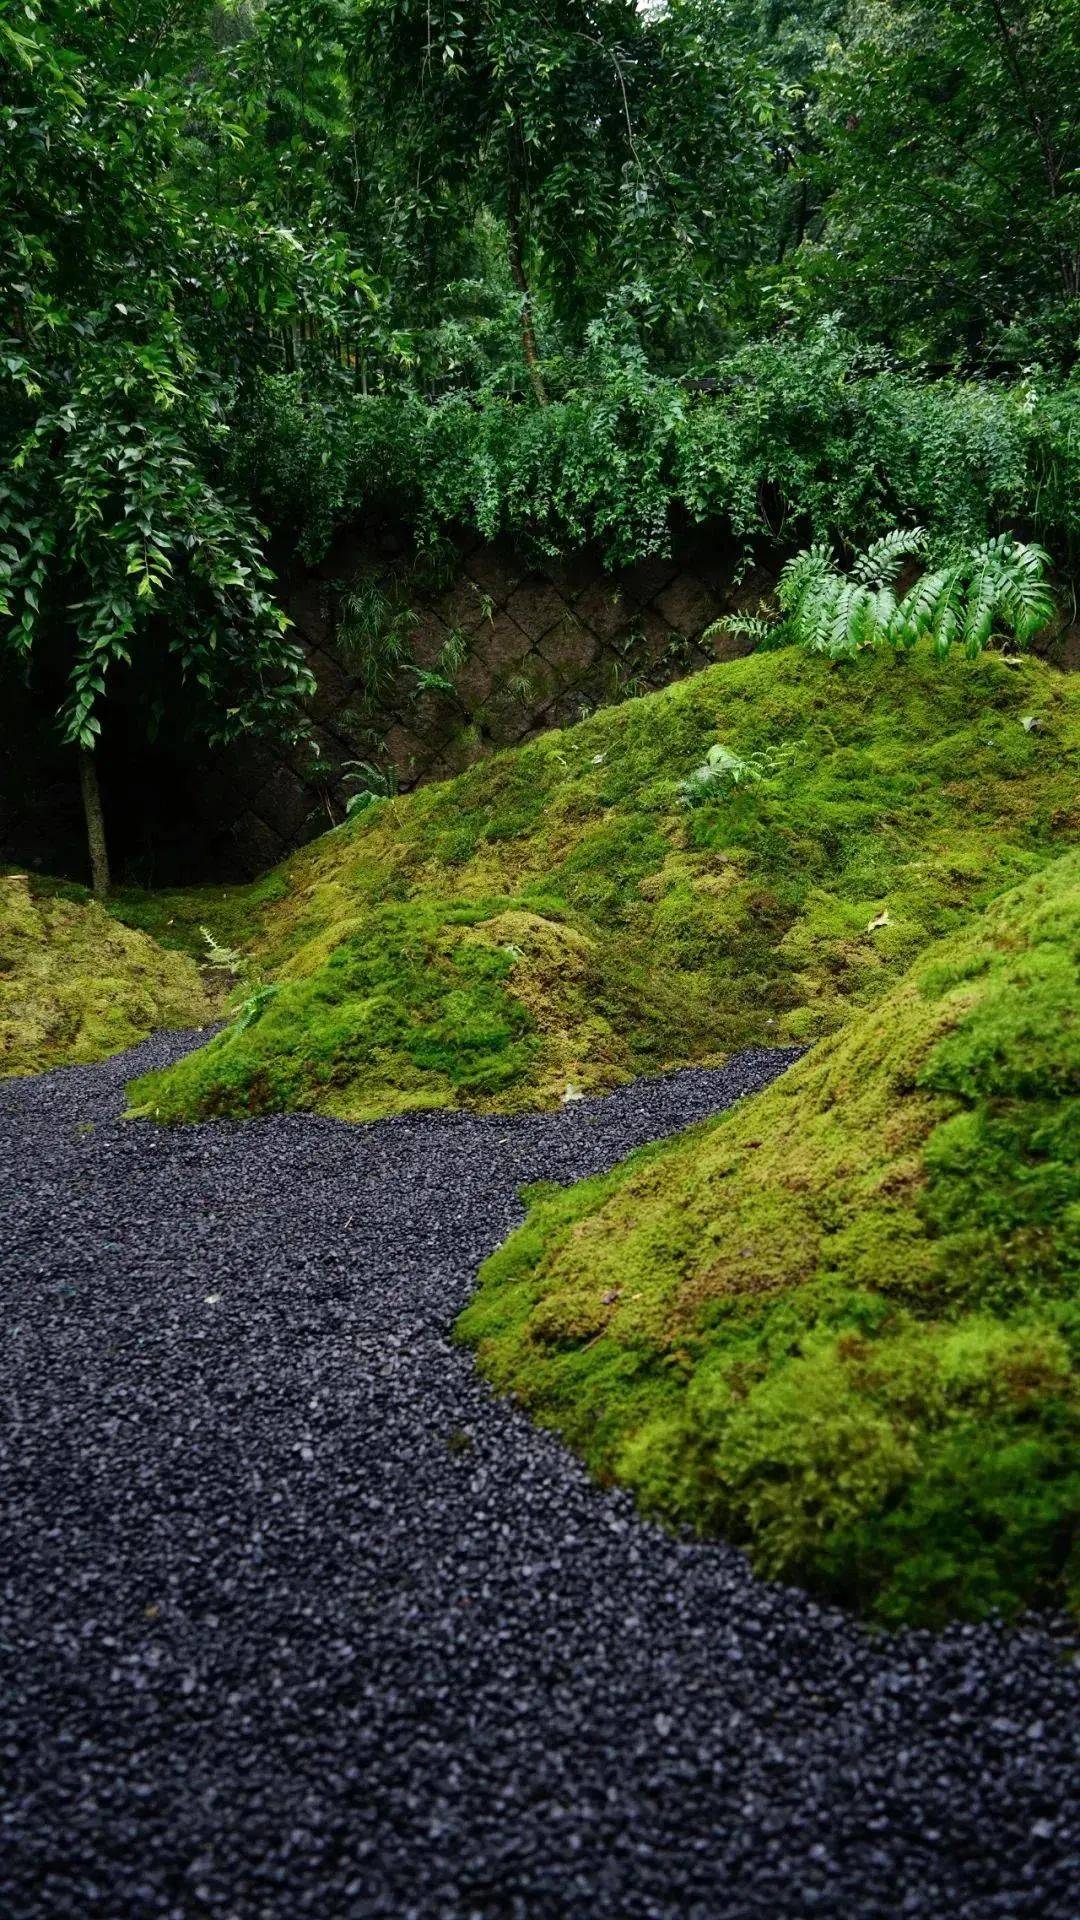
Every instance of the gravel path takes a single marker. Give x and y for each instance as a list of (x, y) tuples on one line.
[(295, 1619)]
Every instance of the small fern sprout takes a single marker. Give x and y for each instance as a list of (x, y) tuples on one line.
[(229, 959), (426, 680), (439, 678), (253, 1008), (723, 771), (370, 783)]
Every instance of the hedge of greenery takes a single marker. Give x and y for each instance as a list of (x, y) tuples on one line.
[(789, 439)]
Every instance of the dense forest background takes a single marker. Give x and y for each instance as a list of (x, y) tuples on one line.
[(574, 274)]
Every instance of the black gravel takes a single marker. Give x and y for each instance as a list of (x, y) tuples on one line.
[(296, 1619)]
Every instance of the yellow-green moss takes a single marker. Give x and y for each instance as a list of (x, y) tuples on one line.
[(913, 789), (76, 986), (841, 1323)]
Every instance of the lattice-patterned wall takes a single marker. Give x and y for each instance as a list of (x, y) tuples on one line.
[(545, 645)]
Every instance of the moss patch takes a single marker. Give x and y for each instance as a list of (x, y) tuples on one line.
[(181, 917), (912, 790), (841, 1323), (76, 986)]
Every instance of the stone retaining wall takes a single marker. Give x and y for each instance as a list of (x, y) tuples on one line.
[(542, 645)]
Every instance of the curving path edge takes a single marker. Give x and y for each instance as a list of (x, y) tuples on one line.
[(296, 1619)]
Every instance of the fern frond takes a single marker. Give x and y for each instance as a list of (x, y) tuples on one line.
[(918, 611), (1026, 601), (863, 621), (799, 574), (1027, 606), (949, 612), (218, 955), (844, 619), (982, 602), (759, 629), (882, 561), (1029, 559), (812, 619)]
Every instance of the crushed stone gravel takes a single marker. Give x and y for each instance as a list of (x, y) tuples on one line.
[(297, 1619)]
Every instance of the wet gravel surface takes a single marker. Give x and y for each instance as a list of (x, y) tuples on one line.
[(295, 1619)]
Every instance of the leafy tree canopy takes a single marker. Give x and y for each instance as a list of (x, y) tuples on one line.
[(949, 161), (143, 280)]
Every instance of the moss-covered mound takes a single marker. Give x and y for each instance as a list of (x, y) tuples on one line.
[(557, 916), (841, 1323), (75, 985)]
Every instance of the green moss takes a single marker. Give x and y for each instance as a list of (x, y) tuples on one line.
[(409, 992), (180, 917), (841, 1323), (76, 986), (912, 789)]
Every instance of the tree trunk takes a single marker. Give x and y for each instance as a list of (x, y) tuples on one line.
[(517, 274), (802, 212), (95, 822)]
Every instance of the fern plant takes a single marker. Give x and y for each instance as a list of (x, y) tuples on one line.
[(995, 588), (372, 633), (439, 678), (723, 770), (759, 628), (370, 784), (253, 1008)]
